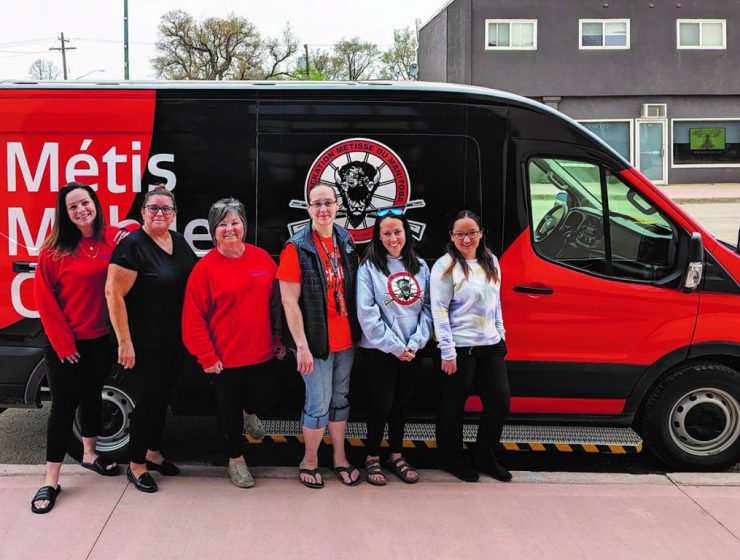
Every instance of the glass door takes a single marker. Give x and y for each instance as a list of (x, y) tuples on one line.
[(651, 160)]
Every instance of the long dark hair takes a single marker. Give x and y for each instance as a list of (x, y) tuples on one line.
[(375, 254), (65, 235), (482, 253)]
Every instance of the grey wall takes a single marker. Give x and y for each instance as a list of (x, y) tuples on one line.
[(652, 65), (432, 53)]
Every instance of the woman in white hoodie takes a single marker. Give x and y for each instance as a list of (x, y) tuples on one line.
[(395, 317), (469, 327)]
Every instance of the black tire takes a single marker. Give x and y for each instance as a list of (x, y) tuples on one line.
[(691, 420), (115, 422)]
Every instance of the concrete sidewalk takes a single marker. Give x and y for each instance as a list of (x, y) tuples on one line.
[(710, 193), (540, 515)]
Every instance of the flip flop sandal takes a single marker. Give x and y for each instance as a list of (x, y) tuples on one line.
[(372, 468), (348, 471), (100, 466), (402, 468), (45, 493), (308, 483)]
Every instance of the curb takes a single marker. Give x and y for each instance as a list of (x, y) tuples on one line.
[(434, 475), (708, 200)]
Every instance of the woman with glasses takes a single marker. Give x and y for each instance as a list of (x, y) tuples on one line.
[(395, 317), (69, 293), (469, 328), (145, 291), (234, 284), (317, 273)]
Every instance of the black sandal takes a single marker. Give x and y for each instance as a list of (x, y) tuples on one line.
[(372, 468), (402, 468), (348, 471), (45, 493), (318, 483), (100, 466)]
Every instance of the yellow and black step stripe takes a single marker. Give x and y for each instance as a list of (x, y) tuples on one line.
[(562, 439)]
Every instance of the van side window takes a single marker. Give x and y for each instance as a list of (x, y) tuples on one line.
[(583, 216)]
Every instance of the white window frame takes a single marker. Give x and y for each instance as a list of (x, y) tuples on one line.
[(510, 21), (701, 34), (701, 165), (603, 23), (631, 123)]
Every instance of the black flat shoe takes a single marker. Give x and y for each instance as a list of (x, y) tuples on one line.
[(495, 470), (462, 470), (145, 483), (165, 469)]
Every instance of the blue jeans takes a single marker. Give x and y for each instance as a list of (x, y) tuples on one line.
[(327, 388)]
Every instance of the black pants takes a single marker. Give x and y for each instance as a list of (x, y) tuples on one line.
[(74, 385), (390, 382), (153, 376), (481, 367), (250, 388)]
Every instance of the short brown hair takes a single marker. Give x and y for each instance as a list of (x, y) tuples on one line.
[(160, 189)]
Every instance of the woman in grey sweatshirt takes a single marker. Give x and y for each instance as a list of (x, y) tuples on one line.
[(394, 313), (469, 328)]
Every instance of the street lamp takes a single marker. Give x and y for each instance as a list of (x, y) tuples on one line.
[(88, 73)]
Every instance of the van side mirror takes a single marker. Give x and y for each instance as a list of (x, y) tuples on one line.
[(695, 266)]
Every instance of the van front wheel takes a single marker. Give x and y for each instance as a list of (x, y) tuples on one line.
[(115, 423), (692, 418)]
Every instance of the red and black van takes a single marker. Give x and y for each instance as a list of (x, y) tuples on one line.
[(621, 311)]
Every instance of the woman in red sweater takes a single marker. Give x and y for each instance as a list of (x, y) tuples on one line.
[(69, 292), (231, 324)]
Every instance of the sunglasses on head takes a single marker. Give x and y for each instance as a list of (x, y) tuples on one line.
[(383, 212)]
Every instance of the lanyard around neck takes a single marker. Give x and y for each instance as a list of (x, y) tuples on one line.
[(334, 255)]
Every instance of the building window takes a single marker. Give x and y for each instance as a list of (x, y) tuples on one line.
[(511, 34), (604, 34), (706, 143), (617, 134), (701, 33)]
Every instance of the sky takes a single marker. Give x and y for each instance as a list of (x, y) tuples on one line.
[(28, 28)]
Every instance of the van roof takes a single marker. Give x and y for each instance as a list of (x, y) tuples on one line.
[(265, 84)]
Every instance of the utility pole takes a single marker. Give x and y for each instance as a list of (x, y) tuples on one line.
[(64, 52), (125, 39), (308, 73)]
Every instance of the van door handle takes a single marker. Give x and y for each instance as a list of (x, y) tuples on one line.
[(533, 290), (19, 266)]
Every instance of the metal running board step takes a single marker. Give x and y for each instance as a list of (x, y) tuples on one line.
[(515, 437)]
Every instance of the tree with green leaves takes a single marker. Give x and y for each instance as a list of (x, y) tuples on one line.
[(397, 61), (216, 48), (354, 59)]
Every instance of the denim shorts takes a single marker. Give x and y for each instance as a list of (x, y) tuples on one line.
[(327, 388)]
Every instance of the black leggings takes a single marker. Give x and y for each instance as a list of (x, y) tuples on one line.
[(481, 367), (154, 376), (249, 388), (72, 385), (390, 382)]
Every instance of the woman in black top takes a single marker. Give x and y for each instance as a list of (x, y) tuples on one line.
[(145, 292)]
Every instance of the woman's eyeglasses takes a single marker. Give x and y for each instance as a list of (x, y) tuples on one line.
[(459, 235), (383, 212), (153, 209)]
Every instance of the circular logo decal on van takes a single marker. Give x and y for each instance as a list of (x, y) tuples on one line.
[(367, 176)]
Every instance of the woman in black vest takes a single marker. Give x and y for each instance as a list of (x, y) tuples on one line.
[(317, 272)]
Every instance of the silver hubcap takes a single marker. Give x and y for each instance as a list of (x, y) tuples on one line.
[(115, 420), (705, 421)]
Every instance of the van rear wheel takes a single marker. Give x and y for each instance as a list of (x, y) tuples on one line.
[(115, 423), (692, 418)]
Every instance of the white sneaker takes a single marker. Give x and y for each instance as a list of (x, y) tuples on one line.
[(253, 426), (240, 475)]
